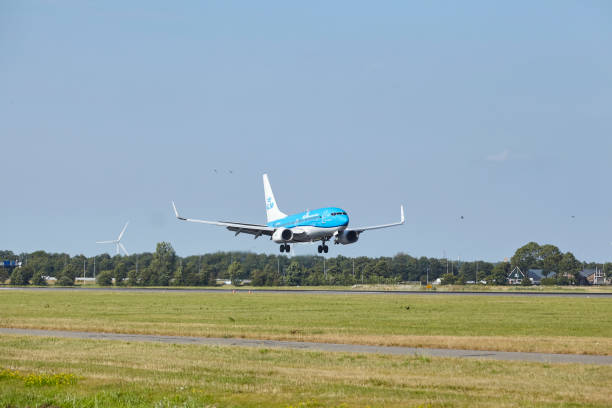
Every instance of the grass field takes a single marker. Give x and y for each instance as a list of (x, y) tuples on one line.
[(556, 324), (111, 373)]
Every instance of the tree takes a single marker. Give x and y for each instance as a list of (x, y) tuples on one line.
[(294, 274), (235, 273), (3, 275), (568, 268), (68, 272), (551, 257), (133, 278), (120, 273), (17, 278), (447, 279), (105, 278), (259, 278), (178, 277), (146, 277), (26, 272), (527, 256), (38, 279), (499, 274), (163, 264)]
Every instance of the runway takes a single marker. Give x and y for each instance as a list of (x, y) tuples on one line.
[(328, 347), (325, 291)]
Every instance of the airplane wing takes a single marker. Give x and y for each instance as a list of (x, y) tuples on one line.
[(373, 227), (253, 229)]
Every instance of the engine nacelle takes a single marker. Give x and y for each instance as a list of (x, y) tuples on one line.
[(347, 237), (282, 235)]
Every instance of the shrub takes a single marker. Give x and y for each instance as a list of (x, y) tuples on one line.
[(38, 279), (104, 278), (448, 279), (17, 278), (65, 281)]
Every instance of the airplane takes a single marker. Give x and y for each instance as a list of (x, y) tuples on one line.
[(323, 224)]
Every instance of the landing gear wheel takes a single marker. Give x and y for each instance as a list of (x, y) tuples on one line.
[(320, 249), (287, 248), (282, 248), (325, 248)]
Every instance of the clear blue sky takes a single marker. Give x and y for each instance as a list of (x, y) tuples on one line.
[(501, 113)]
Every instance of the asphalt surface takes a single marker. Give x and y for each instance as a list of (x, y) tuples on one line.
[(325, 292), (332, 347)]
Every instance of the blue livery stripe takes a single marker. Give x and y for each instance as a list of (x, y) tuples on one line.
[(328, 217)]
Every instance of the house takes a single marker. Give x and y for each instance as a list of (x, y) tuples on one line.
[(536, 275), (516, 276), (592, 277)]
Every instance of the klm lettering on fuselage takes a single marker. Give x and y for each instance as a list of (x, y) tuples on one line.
[(330, 217)]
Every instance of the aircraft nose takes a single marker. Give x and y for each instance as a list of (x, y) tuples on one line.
[(345, 219)]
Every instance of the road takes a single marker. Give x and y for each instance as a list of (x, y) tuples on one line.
[(324, 291), (332, 347)]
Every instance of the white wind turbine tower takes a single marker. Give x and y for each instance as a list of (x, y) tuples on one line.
[(117, 241)]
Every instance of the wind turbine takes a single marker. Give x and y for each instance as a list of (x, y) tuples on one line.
[(117, 241)]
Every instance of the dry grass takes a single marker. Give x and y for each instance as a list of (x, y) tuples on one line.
[(149, 374)]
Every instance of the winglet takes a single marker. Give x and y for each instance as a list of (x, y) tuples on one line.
[(176, 213), (402, 213)]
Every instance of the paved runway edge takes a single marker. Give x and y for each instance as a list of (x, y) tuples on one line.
[(310, 346)]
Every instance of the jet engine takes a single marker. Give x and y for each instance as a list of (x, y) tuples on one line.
[(282, 235), (347, 237)]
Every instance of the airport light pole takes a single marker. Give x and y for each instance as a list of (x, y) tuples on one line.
[(444, 254), (324, 269)]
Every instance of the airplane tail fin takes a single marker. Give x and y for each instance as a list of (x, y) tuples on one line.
[(272, 210)]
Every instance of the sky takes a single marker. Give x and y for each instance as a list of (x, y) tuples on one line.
[(497, 112)]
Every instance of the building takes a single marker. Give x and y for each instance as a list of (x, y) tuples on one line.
[(9, 267), (516, 276), (592, 277), (536, 275)]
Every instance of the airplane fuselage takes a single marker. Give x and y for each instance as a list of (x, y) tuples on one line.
[(323, 224), (313, 225)]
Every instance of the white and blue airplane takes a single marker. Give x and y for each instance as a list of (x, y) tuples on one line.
[(323, 224)]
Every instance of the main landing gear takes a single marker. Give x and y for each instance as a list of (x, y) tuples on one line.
[(323, 248), (285, 248)]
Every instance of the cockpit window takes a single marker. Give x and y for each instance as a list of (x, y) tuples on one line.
[(339, 213)]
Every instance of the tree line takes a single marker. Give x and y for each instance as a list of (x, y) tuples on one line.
[(164, 268)]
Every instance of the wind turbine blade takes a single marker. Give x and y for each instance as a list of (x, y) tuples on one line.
[(124, 250), (122, 231), (105, 242)]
